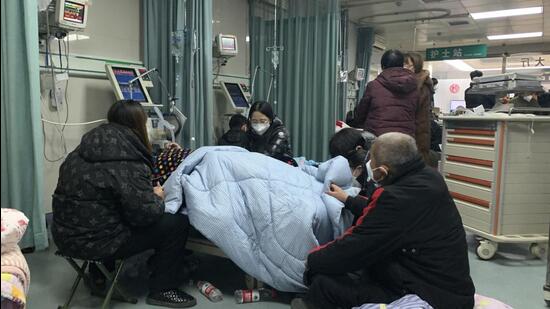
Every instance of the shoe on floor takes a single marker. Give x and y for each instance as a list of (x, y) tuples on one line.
[(172, 299), (300, 303)]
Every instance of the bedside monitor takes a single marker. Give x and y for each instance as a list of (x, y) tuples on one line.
[(456, 103), (71, 14), (234, 93), (225, 45), (119, 76)]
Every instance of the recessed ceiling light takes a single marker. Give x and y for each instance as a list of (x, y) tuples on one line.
[(507, 13), (514, 36), (460, 65)]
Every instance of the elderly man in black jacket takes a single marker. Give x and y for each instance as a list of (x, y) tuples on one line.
[(408, 240)]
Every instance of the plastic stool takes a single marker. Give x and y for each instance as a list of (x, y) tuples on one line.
[(111, 277)]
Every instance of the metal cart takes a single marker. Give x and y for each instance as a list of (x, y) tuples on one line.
[(497, 169)]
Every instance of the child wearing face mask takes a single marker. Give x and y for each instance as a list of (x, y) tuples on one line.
[(267, 133)]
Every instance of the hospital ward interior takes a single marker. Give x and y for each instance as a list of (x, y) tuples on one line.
[(304, 154)]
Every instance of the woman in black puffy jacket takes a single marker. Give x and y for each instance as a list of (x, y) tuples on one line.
[(268, 135), (105, 206)]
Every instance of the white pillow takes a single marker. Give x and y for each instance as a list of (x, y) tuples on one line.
[(14, 225)]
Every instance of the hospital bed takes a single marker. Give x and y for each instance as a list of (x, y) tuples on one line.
[(198, 243)]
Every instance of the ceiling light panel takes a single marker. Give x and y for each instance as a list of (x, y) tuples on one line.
[(508, 13), (460, 65), (514, 36)]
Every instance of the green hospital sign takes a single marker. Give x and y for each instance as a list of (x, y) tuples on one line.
[(456, 52)]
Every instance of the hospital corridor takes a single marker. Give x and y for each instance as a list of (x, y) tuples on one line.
[(302, 154)]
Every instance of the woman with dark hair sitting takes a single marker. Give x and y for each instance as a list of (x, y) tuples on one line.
[(353, 146), (268, 135), (105, 206)]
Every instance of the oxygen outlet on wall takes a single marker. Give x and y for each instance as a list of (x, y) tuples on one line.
[(54, 88)]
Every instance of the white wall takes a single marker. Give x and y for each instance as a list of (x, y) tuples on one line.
[(443, 94), (114, 30), (231, 17)]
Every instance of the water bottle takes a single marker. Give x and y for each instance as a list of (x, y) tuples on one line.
[(210, 291), (255, 295)]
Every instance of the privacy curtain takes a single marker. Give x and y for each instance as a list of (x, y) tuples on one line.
[(21, 138), (304, 86), (365, 40), (188, 78)]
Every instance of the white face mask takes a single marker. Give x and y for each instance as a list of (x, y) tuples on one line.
[(260, 128), (528, 98), (369, 171)]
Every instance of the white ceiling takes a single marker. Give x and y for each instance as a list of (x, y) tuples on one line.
[(516, 63), (438, 32)]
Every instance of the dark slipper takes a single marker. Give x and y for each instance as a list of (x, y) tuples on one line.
[(172, 299)]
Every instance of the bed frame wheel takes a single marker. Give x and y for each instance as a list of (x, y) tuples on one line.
[(486, 249), (539, 250)]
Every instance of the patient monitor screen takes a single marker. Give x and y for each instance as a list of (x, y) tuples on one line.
[(236, 95), (228, 43), (73, 12), (456, 103), (123, 76)]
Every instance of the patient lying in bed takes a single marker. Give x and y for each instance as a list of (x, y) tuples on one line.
[(264, 214)]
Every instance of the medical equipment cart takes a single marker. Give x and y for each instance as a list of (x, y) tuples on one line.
[(497, 168)]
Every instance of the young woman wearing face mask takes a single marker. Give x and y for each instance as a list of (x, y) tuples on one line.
[(267, 133)]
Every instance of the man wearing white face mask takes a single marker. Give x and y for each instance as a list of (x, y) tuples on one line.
[(409, 239), (520, 100), (268, 135), (525, 100)]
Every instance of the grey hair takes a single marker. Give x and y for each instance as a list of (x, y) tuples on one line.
[(394, 149)]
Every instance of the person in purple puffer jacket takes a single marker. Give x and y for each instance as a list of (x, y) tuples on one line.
[(390, 101)]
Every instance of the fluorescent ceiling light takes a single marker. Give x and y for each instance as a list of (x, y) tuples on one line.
[(76, 37), (518, 68), (514, 36), (507, 13), (460, 65)]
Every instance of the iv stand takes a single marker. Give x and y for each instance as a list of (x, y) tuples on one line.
[(133, 80), (256, 70), (172, 100)]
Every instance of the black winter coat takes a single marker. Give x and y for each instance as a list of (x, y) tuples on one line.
[(476, 99), (409, 238), (104, 190), (275, 142), (234, 138)]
